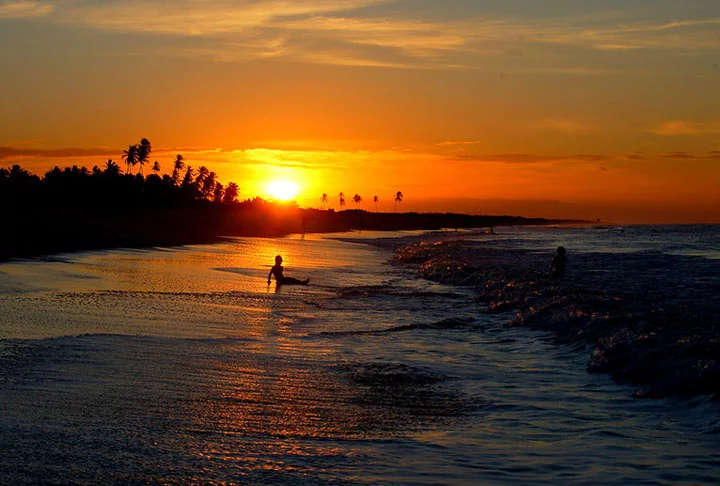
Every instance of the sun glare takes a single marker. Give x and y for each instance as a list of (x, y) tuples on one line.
[(282, 190)]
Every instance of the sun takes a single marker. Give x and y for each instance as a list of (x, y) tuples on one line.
[(282, 190)]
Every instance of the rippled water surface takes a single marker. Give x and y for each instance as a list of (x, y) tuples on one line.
[(182, 365)]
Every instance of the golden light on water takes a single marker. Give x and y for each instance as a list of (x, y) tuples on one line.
[(283, 190)]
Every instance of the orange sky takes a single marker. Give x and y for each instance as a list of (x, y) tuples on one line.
[(590, 109)]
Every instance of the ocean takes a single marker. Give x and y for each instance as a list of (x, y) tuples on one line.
[(183, 366)]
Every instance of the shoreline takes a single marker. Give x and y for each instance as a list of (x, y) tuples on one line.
[(660, 336), (38, 232)]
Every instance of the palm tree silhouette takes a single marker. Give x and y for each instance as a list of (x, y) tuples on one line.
[(111, 168), (232, 191), (342, 200), (218, 192), (356, 199), (202, 174), (131, 157), (375, 200), (398, 198), (324, 200), (188, 179), (178, 166), (208, 185), (156, 167), (143, 152)]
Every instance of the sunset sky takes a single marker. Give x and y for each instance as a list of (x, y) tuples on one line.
[(562, 108)]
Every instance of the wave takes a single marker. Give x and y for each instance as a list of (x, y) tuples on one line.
[(452, 323), (417, 392), (651, 318), (386, 290)]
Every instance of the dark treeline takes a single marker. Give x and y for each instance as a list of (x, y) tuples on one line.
[(109, 187), (321, 221), (76, 208)]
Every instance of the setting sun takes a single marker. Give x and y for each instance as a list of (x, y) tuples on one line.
[(282, 190)]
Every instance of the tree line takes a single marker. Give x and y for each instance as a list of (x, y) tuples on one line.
[(111, 186), (357, 199)]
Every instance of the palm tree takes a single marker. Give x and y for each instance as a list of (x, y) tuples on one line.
[(131, 157), (356, 199), (200, 177), (111, 168), (208, 185), (375, 200), (178, 166), (143, 152), (218, 192), (188, 179), (398, 198), (342, 200), (202, 174), (324, 200), (232, 191), (156, 167)]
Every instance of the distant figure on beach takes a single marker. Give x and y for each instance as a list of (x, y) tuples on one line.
[(277, 270), (558, 263)]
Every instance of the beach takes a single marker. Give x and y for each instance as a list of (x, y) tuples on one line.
[(182, 365)]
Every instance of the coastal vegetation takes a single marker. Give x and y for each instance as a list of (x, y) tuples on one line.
[(76, 208)]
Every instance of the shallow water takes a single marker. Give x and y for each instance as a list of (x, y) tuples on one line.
[(182, 365)]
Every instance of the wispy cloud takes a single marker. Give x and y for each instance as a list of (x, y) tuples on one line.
[(676, 128), (620, 34), (635, 156), (566, 126), (199, 17), (533, 158), (61, 153), (454, 143), (679, 156), (23, 10), (712, 154), (352, 33)]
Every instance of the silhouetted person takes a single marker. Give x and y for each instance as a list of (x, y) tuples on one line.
[(558, 263), (277, 270)]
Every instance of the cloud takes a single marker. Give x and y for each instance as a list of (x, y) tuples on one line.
[(689, 34), (635, 156), (353, 33), (333, 159), (452, 143), (305, 159), (678, 128), (23, 10), (570, 127), (712, 154), (200, 18), (11, 152), (532, 158), (678, 156)]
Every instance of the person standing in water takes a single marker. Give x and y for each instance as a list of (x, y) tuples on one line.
[(558, 263), (277, 270)]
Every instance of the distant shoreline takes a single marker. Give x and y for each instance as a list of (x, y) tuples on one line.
[(35, 232)]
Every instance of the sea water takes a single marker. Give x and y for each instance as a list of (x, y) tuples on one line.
[(183, 366)]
